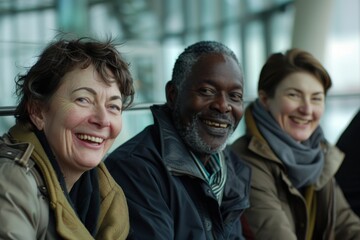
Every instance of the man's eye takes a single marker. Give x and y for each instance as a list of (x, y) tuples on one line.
[(206, 91), (236, 97)]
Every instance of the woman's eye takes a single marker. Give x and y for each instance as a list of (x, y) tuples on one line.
[(293, 95), (82, 100), (317, 99), (115, 108)]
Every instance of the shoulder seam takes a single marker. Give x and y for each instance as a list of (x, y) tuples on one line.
[(20, 153)]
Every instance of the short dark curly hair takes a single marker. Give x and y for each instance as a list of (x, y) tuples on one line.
[(62, 56)]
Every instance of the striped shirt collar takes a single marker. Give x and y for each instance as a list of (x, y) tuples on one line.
[(214, 173)]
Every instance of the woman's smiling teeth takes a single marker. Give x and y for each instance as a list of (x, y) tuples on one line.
[(90, 138), (215, 124), (300, 121)]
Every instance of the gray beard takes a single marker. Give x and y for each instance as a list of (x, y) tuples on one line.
[(190, 135)]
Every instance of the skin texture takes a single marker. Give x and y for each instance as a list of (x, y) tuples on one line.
[(297, 105), (210, 104), (83, 106)]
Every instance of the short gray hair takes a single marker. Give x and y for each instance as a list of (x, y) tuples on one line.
[(190, 56)]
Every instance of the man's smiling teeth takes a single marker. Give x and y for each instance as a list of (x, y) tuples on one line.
[(215, 124), (300, 121), (90, 138)]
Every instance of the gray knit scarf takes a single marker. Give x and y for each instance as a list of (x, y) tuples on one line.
[(304, 161)]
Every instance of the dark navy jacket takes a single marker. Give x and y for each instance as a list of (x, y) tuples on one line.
[(167, 196), (348, 175)]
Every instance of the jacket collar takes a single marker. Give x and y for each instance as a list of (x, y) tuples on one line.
[(333, 156), (258, 143), (333, 159), (65, 216), (176, 155)]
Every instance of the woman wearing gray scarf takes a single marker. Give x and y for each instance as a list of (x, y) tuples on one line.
[(293, 191)]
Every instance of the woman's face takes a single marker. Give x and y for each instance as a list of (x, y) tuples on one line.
[(297, 105), (82, 120)]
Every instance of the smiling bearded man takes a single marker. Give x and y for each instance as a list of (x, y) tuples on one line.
[(191, 136), (180, 180)]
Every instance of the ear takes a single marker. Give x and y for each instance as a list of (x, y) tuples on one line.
[(36, 115), (171, 94), (263, 98)]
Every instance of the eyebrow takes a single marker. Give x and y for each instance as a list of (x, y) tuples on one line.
[(297, 90), (93, 92), (213, 82)]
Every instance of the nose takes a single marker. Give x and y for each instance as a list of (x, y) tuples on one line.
[(100, 117), (221, 104), (305, 106)]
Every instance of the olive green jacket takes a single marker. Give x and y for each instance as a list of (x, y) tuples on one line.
[(26, 195), (278, 210)]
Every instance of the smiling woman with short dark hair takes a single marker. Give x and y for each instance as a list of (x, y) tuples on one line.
[(293, 191), (53, 183)]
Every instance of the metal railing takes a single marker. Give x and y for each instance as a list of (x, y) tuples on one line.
[(10, 110)]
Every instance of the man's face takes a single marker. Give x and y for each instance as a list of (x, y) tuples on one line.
[(210, 105)]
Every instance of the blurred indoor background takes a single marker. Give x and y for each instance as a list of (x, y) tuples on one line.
[(154, 32)]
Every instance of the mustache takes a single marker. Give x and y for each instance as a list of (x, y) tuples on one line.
[(219, 116)]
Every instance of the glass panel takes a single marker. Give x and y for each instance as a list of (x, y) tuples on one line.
[(281, 30), (156, 31), (254, 56), (133, 123)]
